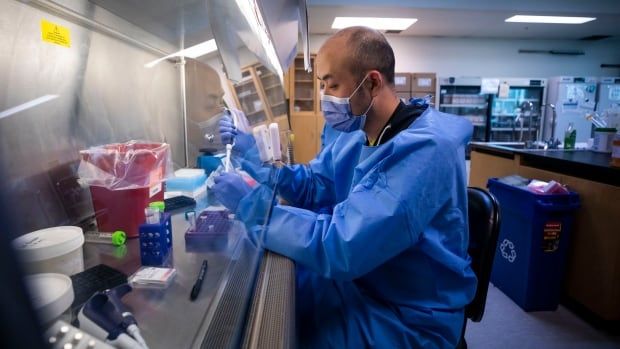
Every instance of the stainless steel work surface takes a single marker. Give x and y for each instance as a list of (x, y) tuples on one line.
[(167, 317)]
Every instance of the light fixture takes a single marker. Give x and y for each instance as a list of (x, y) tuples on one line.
[(24, 106), (254, 18), (190, 52), (378, 23), (549, 19)]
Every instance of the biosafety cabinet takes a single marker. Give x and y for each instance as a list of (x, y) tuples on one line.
[(81, 73)]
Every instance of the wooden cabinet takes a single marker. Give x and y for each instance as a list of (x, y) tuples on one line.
[(306, 118), (261, 96)]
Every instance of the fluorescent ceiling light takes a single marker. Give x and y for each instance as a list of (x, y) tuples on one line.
[(252, 15), (198, 50), (374, 22), (190, 52), (30, 104), (549, 19)]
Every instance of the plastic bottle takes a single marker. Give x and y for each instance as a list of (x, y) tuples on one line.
[(570, 136), (615, 150)]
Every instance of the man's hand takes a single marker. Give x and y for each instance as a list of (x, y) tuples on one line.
[(229, 189)]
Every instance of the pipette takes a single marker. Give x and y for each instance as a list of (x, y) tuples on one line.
[(227, 163)]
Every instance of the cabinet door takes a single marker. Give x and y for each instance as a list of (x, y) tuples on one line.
[(304, 89), (304, 128), (249, 98), (304, 110), (274, 92)]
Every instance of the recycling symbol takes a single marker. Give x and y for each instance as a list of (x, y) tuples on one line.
[(508, 250)]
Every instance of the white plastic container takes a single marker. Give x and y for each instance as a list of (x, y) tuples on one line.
[(603, 138), (52, 250), (51, 295)]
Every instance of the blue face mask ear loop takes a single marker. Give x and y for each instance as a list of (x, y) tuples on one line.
[(372, 101)]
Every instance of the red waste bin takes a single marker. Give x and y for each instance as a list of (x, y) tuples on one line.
[(124, 178)]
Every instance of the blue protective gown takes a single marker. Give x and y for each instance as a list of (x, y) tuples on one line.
[(389, 268), (328, 135)]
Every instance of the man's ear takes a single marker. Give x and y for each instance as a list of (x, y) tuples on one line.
[(376, 82)]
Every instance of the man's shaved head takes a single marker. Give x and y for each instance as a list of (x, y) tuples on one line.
[(366, 49)]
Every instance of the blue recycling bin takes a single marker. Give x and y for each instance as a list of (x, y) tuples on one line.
[(530, 260)]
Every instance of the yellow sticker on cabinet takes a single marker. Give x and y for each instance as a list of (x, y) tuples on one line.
[(55, 34)]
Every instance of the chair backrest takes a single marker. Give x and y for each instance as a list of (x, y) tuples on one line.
[(484, 221)]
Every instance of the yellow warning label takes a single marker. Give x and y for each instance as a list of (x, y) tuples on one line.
[(55, 34)]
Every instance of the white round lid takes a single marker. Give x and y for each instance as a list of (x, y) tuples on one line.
[(48, 243), (51, 294)]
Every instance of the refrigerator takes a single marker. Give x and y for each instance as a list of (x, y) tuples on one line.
[(461, 96), (517, 115), (608, 102), (573, 98)]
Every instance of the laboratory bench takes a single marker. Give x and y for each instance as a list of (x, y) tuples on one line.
[(579, 163), (247, 296), (592, 278)]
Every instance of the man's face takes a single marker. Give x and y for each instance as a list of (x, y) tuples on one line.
[(335, 77), (205, 93)]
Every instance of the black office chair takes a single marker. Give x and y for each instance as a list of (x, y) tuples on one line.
[(484, 221)]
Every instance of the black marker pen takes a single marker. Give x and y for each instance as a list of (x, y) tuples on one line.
[(198, 284)]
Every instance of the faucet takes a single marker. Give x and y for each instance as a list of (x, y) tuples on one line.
[(552, 143), (527, 108), (517, 119)]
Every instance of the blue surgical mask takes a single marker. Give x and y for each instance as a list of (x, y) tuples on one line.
[(338, 114)]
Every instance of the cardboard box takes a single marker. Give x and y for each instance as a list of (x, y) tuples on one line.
[(402, 82), (423, 82)]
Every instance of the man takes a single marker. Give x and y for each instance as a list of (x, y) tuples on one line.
[(388, 268), (205, 104)]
